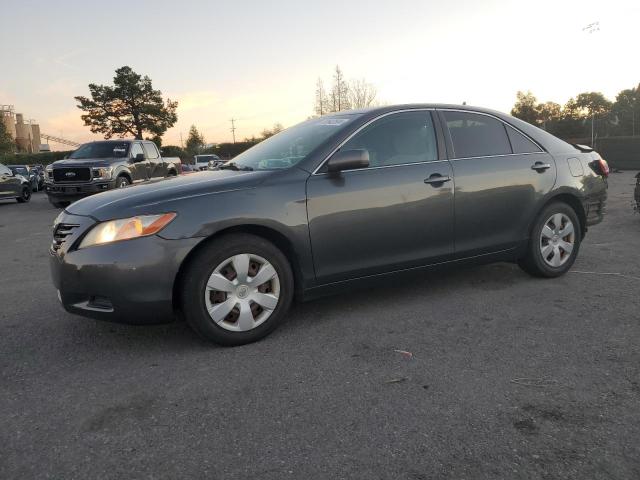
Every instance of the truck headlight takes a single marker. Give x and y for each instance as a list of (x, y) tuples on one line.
[(126, 229), (49, 172), (102, 173)]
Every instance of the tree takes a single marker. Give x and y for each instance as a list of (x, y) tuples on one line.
[(195, 141), (7, 144), (593, 104), (174, 151), (339, 92), (130, 107), (277, 128), (361, 94), (549, 112), (526, 107), (626, 109), (322, 100)]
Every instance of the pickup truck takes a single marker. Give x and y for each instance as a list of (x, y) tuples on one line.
[(103, 165)]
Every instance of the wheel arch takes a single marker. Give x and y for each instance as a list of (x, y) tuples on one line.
[(125, 173), (276, 237), (571, 199)]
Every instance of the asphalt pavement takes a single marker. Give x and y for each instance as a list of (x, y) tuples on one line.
[(475, 373)]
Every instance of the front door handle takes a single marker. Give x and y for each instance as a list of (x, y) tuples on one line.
[(436, 179), (540, 167)]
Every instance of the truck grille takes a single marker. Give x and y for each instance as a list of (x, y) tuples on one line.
[(60, 234), (63, 174)]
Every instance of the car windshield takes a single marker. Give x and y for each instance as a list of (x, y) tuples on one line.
[(290, 146), (19, 170), (101, 150), (204, 158)]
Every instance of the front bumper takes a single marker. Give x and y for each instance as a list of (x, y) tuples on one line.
[(129, 282), (74, 191)]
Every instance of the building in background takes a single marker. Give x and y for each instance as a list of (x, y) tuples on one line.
[(25, 134)]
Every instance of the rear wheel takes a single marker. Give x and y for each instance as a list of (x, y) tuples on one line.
[(237, 289), (554, 243), (25, 195)]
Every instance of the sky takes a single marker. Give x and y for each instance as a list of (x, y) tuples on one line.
[(258, 61)]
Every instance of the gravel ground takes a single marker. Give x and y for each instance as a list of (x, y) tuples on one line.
[(509, 377)]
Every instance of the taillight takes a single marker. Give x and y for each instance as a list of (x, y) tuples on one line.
[(601, 167)]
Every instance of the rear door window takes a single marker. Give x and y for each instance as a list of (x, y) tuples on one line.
[(475, 135), (520, 143)]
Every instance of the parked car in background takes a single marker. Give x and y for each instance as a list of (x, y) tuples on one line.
[(39, 170), (187, 168), (347, 198), (206, 162), (26, 172), (14, 185), (104, 165)]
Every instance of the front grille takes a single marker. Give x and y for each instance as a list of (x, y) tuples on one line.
[(60, 234), (65, 174)]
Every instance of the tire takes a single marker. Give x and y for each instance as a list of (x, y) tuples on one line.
[(215, 263), (25, 195), (58, 204), (547, 252), (122, 182)]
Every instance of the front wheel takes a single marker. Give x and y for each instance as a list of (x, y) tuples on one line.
[(554, 243), (237, 289), (122, 182), (25, 195)]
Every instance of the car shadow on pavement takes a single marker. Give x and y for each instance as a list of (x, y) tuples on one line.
[(417, 288)]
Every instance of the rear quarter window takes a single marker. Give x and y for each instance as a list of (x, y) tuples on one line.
[(520, 143)]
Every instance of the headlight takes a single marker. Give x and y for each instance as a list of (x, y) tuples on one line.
[(102, 173), (126, 229), (49, 172)]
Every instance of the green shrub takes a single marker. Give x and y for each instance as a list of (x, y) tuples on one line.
[(44, 158)]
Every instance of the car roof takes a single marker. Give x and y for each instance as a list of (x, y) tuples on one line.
[(551, 143)]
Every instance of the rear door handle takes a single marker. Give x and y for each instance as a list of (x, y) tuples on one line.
[(540, 167), (436, 179)]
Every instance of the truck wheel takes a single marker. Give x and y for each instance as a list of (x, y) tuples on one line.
[(122, 182), (25, 195), (237, 289)]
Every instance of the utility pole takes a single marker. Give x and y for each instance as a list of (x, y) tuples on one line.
[(233, 129), (181, 142), (592, 28)]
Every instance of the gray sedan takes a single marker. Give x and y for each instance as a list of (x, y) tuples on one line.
[(337, 201)]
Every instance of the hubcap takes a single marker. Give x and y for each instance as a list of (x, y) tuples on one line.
[(242, 292), (557, 240)]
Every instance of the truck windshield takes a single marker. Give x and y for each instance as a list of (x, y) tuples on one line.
[(101, 150), (290, 146)]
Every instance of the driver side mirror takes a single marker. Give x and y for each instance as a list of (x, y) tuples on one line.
[(348, 160), (138, 158)]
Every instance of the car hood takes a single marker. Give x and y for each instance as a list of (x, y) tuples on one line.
[(140, 199), (86, 162)]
